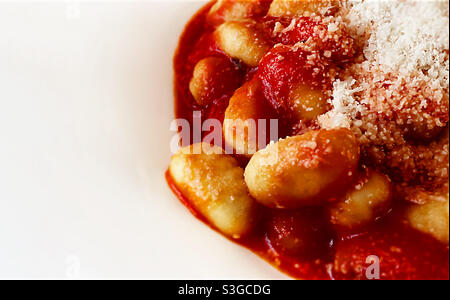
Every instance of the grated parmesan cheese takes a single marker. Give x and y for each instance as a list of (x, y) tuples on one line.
[(403, 36), (399, 87)]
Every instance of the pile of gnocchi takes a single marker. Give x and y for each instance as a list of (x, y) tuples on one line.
[(319, 168), (314, 181)]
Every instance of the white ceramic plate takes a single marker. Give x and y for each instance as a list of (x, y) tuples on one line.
[(86, 102)]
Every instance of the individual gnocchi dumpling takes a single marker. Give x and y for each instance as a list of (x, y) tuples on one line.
[(307, 102), (432, 218), (280, 8), (369, 199), (213, 78), (235, 10), (243, 41), (214, 185), (241, 124), (304, 170)]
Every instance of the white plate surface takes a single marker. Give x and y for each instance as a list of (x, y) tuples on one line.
[(86, 102)]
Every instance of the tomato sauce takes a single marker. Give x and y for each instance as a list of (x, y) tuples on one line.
[(403, 253)]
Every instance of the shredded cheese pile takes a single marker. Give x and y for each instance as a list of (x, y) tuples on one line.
[(398, 89)]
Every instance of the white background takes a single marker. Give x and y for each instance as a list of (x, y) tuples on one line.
[(86, 102)]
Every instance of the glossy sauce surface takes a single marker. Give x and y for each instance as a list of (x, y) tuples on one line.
[(403, 252)]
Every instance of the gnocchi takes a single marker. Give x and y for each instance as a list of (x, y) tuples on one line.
[(303, 170), (214, 185), (307, 102), (235, 10), (246, 108), (349, 183), (369, 199), (432, 218), (280, 8), (213, 77), (243, 41)]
